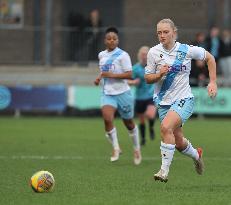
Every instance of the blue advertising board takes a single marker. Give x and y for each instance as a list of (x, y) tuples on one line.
[(27, 97)]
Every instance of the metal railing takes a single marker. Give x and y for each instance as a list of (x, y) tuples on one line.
[(67, 45)]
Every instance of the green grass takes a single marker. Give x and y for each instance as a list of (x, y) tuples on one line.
[(77, 153)]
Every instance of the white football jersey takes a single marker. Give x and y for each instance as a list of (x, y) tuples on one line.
[(116, 61), (174, 85)]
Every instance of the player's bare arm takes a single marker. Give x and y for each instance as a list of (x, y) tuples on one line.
[(126, 75), (134, 82), (155, 77), (212, 86)]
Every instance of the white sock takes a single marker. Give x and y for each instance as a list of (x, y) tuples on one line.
[(167, 152), (134, 134), (112, 137), (190, 151)]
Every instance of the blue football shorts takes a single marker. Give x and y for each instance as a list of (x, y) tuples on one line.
[(123, 102), (183, 107)]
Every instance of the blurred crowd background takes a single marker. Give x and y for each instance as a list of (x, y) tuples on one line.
[(47, 42)]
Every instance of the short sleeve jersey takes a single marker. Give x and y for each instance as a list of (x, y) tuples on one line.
[(144, 91), (175, 85), (116, 61)]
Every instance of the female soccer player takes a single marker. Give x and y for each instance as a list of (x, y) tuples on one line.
[(115, 66), (144, 106), (168, 66)]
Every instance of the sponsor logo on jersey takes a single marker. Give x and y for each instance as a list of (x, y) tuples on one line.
[(177, 68), (107, 67)]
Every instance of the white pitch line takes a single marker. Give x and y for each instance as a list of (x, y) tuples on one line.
[(59, 157), (24, 157)]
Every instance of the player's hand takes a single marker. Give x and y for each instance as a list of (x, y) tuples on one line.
[(164, 70), (212, 89), (98, 79)]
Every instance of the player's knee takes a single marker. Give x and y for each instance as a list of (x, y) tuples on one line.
[(149, 115), (165, 129), (108, 120), (129, 124)]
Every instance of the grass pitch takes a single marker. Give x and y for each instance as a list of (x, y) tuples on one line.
[(77, 153)]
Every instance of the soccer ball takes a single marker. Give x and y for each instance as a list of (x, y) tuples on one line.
[(42, 181)]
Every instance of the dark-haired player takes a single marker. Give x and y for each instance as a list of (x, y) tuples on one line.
[(115, 68)]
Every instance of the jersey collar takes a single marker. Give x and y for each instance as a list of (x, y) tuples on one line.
[(173, 48), (113, 50)]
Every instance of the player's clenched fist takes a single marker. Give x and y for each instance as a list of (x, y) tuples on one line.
[(164, 70), (212, 89)]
